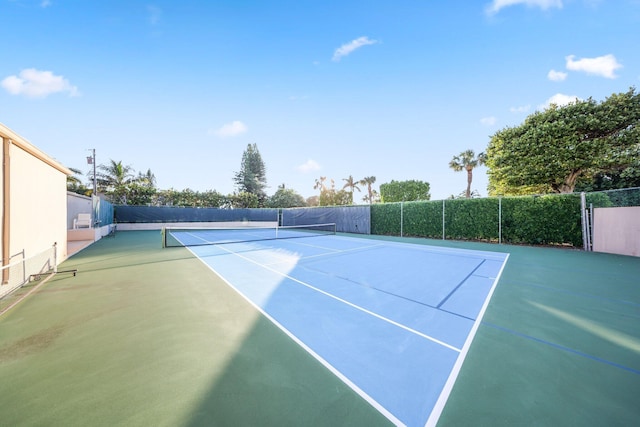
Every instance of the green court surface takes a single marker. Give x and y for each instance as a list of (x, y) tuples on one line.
[(145, 336)]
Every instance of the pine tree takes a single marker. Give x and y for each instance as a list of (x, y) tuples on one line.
[(252, 177)]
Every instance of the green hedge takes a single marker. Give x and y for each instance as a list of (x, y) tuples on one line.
[(475, 219), (542, 220), (385, 219), (537, 220), (422, 219)]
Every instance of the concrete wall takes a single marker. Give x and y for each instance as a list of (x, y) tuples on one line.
[(617, 230), (38, 205), (76, 204), (34, 206)]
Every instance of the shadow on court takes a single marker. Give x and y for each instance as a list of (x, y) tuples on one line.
[(148, 336), (145, 336)]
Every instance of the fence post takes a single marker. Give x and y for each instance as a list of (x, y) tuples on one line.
[(401, 218), (499, 220), (590, 228), (583, 208), (443, 235)]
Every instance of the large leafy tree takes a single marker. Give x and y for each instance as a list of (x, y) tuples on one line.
[(467, 161), (142, 190), (404, 191), (623, 177), (244, 200), (137, 193), (191, 198), (329, 196), (553, 148), (313, 201), (252, 176), (285, 198)]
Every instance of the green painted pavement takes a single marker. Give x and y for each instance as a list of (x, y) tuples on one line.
[(149, 337), (145, 336)]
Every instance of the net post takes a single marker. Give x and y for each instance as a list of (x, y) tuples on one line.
[(55, 257), (163, 236)]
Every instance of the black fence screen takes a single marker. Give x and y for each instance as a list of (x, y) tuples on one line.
[(348, 219), (151, 214)]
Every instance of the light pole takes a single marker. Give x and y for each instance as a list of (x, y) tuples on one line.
[(91, 160)]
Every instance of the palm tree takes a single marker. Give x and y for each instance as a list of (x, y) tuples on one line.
[(74, 183), (113, 180), (467, 160), (351, 185), (73, 179), (368, 181), (371, 198), (147, 179), (320, 184)]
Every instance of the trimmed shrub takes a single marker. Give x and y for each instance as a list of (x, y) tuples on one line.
[(535, 220)]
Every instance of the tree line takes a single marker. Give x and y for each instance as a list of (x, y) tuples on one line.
[(583, 146)]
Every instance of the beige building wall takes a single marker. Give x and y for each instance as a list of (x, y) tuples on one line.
[(33, 207), (617, 230), (38, 205)]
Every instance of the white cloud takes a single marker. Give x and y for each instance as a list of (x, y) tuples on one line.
[(309, 166), (234, 128), (560, 100), (604, 66), (347, 48), (521, 109), (557, 76), (497, 5), (488, 121), (45, 3), (33, 83), (155, 13)]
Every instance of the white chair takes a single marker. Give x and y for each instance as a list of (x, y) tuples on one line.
[(82, 221)]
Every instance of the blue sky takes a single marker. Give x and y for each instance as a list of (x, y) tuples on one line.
[(324, 88)]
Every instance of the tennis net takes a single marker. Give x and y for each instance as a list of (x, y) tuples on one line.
[(186, 236)]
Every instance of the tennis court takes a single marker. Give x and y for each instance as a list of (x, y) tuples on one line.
[(391, 319), (328, 330)]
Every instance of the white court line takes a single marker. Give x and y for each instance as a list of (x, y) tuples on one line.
[(384, 411), (446, 390), (333, 253), (437, 409), (357, 307), (465, 253)]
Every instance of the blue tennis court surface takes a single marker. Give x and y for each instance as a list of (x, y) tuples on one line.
[(394, 321)]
